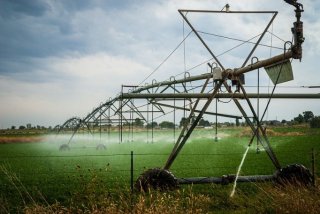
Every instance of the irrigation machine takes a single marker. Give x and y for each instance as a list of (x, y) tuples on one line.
[(176, 94)]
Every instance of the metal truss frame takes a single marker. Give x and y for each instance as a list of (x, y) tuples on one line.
[(122, 109)]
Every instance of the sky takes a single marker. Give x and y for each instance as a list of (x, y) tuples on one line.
[(60, 59)]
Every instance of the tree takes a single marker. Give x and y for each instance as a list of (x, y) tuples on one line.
[(152, 124), (96, 124), (308, 116), (167, 124), (138, 122), (299, 119), (254, 121), (315, 122), (22, 127), (13, 127), (204, 123), (237, 122), (126, 124), (183, 121)]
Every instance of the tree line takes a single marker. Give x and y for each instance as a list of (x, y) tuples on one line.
[(308, 117), (305, 117)]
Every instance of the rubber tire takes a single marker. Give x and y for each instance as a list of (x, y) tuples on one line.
[(157, 179), (101, 147), (64, 147), (294, 174)]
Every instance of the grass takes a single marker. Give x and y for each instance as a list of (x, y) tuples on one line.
[(261, 198), (38, 176)]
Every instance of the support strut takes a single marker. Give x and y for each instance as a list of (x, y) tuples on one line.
[(186, 131)]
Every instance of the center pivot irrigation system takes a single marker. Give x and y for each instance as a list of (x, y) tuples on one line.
[(194, 95)]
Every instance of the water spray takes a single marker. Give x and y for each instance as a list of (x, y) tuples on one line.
[(238, 172)]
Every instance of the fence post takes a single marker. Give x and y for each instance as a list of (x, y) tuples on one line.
[(131, 173), (313, 167)]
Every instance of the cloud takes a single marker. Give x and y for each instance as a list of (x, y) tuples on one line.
[(65, 57), (19, 8), (81, 82)]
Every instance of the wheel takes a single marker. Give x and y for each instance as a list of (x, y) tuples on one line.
[(158, 179), (294, 174), (64, 147), (101, 147)]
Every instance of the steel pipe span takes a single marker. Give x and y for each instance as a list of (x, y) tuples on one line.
[(220, 96), (227, 73), (226, 179), (171, 82), (260, 64)]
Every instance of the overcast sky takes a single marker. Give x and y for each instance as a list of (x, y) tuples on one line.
[(61, 58)]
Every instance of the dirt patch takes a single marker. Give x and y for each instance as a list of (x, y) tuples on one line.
[(248, 133), (24, 139), (223, 135)]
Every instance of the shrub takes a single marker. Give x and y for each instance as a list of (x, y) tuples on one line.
[(315, 122)]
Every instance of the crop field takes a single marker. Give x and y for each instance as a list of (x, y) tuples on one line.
[(37, 172)]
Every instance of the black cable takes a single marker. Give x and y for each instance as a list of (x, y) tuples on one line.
[(205, 62), (240, 40), (276, 36), (165, 59)]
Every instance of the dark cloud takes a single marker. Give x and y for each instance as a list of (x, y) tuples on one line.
[(33, 30), (17, 8), (21, 31), (41, 29), (31, 70)]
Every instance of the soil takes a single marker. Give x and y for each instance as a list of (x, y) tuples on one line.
[(20, 139), (248, 132)]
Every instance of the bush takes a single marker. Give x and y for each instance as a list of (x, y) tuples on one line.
[(315, 122)]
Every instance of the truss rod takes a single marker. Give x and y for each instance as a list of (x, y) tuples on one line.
[(185, 128), (259, 40), (267, 147), (244, 114), (220, 96), (197, 111), (221, 11), (171, 82), (201, 40), (181, 141)]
